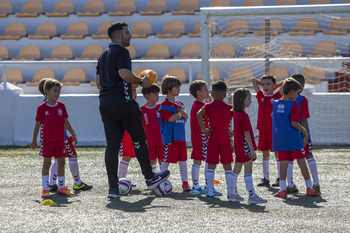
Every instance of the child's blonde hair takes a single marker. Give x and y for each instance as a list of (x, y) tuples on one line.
[(50, 83), (41, 85), (196, 86), (168, 83), (290, 84), (238, 99)]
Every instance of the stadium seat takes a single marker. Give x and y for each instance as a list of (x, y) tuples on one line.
[(305, 26), (279, 72), (172, 29), (220, 3), (158, 51), (61, 9), (74, 77), (241, 76), (253, 3), (186, 7), (338, 26), (62, 52), (223, 51), (5, 8), (93, 8), (138, 71), (312, 2), (76, 31), (13, 76), (324, 49), (141, 29), (40, 74), (255, 50), (314, 75), (28, 53), (190, 51), (31, 9), (44, 31), (177, 72), (286, 2), (14, 31), (102, 31), (91, 52), (291, 49), (275, 28), (132, 51), (237, 27), (197, 30), (4, 53), (214, 75), (123, 8), (155, 7)]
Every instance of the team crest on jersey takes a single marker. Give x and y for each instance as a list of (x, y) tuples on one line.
[(46, 113), (271, 100), (60, 113), (262, 99), (280, 108)]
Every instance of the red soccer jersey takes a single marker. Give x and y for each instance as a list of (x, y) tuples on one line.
[(219, 114), (295, 113), (151, 124), (196, 132), (304, 109), (242, 124), (265, 109), (52, 121)]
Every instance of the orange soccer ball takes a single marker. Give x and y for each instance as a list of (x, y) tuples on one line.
[(151, 75)]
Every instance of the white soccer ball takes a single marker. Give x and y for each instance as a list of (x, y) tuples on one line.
[(164, 188), (125, 186)]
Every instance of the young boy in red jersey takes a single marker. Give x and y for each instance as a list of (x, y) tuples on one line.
[(173, 118), (52, 117), (304, 115), (265, 99), (71, 154), (219, 147), (286, 135), (150, 122)]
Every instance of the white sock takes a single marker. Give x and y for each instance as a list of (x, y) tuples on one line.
[(53, 173), (265, 163), (290, 174), (183, 170), (308, 183), (123, 168), (195, 176), (283, 185), (205, 174), (61, 182), (74, 169), (234, 183), (229, 182), (210, 181), (278, 168), (45, 182), (164, 166), (313, 169), (248, 179), (154, 168)]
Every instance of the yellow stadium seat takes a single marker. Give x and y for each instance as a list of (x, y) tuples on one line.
[(102, 31), (177, 72), (62, 52), (338, 26), (172, 29), (141, 29), (253, 3), (223, 51), (91, 52), (76, 31), (14, 31), (237, 27), (31, 9), (312, 2), (220, 3), (5, 8), (197, 29), (291, 49), (93, 8), (305, 26), (13, 76), (279, 72), (28, 53), (40, 74), (74, 77), (123, 8), (186, 7), (190, 51), (241, 76), (255, 50), (4, 53), (155, 7), (158, 51), (324, 49), (44, 31), (61, 9), (286, 2), (314, 75), (214, 74), (275, 28), (132, 51)]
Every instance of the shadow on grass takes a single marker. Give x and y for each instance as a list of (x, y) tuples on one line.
[(300, 199), (139, 206), (60, 200)]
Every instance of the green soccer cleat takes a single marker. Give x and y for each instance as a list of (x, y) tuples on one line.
[(82, 187), (317, 187), (292, 190)]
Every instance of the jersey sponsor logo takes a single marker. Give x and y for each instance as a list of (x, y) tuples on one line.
[(145, 116), (280, 108), (46, 113)]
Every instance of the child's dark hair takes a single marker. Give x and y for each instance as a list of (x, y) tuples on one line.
[(50, 83), (299, 77), (290, 84), (115, 27), (196, 86), (267, 76), (219, 86), (41, 85), (238, 99), (148, 90), (168, 83)]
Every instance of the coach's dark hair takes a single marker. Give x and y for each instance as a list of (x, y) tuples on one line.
[(267, 76), (148, 90), (299, 77), (169, 82), (238, 99), (115, 27), (196, 86), (50, 83), (41, 85), (219, 86), (290, 84)]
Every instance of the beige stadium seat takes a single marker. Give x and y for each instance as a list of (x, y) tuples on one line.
[(177, 72), (241, 76), (190, 51), (275, 28), (158, 51), (5, 8), (93, 8), (44, 31), (13, 76), (74, 77), (197, 29), (155, 7), (338, 26), (14, 31), (4, 53), (324, 49), (76, 31), (237, 27), (28, 53), (123, 8), (132, 51), (291, 49), (102, 31), (279, 72), (91, 52), (141, 29), (214, 74), (172, 29), (253, 3), (255, 50), (223, 51), (31, 9), (314, 75), (63, 52), (220, 3), (286, 2), (40, 74), (313, 2), (186, 7), (305, 26), (61, 9), (138, 71)]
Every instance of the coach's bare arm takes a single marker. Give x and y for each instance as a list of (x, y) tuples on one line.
[(98, 82), (129, 77)]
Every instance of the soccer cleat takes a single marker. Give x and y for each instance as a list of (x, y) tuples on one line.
[(312, 192), (82, 187), (210, 196), (235, 198), (45, 193), (186, 187), (157, 179), (281, 194), (113, 192), (293, 189), (217, 193), (196, 192), (256, 199), (264, 182), (317, 187), (53, 188), (277, 183), (65, 191)]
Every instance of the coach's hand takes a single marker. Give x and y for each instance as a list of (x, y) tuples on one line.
[(145, 82)]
